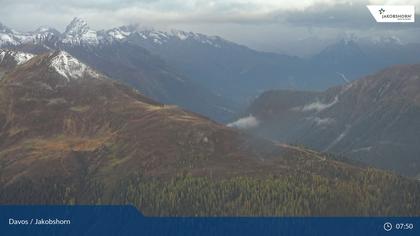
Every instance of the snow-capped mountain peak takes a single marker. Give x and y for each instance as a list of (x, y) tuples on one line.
[(44, 33), (77, 27), (182, 35), (157, 37), (78, 32), (118, 33), (10, 37), (69, 67)]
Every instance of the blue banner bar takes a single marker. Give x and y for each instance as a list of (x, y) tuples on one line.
[(126, 220)]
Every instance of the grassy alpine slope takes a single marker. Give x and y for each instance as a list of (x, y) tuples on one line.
[(84, 139)]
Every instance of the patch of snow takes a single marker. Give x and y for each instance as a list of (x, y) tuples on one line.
[(89, 37), (162, 37), (22, 57), (343, 77), (180, 34), (69, 67), (18, 57), (2, 55), (79, 33), (12, 37), (157, 41), (248, 122), (210, 42), (118, 34), (154, 35), (6, 39), (383, 89)]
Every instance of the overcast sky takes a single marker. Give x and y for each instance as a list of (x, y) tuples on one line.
[(296, 27)]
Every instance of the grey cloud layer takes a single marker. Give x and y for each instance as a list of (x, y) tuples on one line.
[(352, 16), (195, 11)]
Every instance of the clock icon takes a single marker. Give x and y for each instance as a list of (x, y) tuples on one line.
[(387, 226)]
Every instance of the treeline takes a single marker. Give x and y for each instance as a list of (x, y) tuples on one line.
[(372, 193)]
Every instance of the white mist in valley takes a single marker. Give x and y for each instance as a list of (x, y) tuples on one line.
[(248, 122)]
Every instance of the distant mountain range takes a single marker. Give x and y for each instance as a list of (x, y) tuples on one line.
[(240, 73), (222, 76), (71, 135), (105, 51), (375, 120)]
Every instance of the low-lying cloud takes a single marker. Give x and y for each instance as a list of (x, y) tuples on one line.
[(319, 106), (248, 122)]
